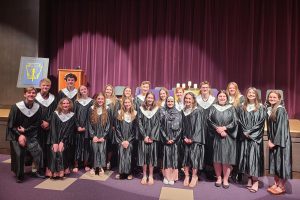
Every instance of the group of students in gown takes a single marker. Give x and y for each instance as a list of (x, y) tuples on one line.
[(185, 132)]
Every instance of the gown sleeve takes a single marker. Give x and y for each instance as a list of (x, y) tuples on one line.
[(11, 131), (282, 129)]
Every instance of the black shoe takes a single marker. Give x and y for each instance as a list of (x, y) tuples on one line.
[(97, 171), (225, 186), (218, 184), (20, 179), (38, 175)]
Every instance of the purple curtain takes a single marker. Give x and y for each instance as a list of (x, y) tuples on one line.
[(252, 42)]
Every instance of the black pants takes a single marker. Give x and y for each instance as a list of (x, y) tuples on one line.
[(18, 155)]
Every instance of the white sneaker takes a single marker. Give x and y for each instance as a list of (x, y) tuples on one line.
[(165, 181), (171, 182)]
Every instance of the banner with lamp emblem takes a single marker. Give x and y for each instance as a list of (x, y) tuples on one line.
[(31, 71)]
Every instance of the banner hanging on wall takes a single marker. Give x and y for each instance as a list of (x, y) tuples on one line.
[(31, 71)]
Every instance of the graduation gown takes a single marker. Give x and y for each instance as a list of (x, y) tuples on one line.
[(48, 106), (149, 125), (171, 126), (192, 128), (251, 155), (138, 101), (224, 147), (280, 159), (209, 138), (82, 139), (68, 94), (113, 112), (30, 120), (99, 148), (125, 131), (62, 126)]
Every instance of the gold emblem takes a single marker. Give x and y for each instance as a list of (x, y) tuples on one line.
[(33, 71)]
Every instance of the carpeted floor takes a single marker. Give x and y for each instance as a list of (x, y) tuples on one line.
[(83, 188)]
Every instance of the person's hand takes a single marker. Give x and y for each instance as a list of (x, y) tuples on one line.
[(45, 125), (80, 129), (21, 129), (125, 144), (55, 148), (150, 140), (146, 140), (22, 140), (223, 134), (95, 139), (101, 140), (271, 145), (61, 147)]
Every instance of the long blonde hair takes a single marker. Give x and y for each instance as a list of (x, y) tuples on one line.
[(159, 102), (274, 108), (79, 95), (237, 94), (60, 103), (123, 110), (257, 100), (95, 116)]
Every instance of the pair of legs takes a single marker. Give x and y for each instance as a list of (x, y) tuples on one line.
[(194, 179), (253, 183), (150, 177), (226, 169), (171, 175), (76, 165)]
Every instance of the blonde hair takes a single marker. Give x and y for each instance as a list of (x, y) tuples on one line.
[(146, 82), (123, 94), (95, 116), (59, 108), (123, 110), (79, 95), (205, 83), (193, 97), (237, 94), (28, 89), (45, 80)]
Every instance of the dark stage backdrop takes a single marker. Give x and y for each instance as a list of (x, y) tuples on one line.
[(252, 42)]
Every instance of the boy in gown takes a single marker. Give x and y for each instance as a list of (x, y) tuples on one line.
[(22, 131), (139, 99), (48, 104)]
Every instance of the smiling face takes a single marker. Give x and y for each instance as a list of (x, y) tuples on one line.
[(65, 105), (150, 99), (179, 93), (251, 95), (231, 89), (204, 89), (273, 98), (188, 101), (127, 92), (70, 82), (170, 103), (30, 95), (100, 100), (45, 87), (145, 88), (162, 95), (127, 104), (222, 99), (108, 91), (83, 90)]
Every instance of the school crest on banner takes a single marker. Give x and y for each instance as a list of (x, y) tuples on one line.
[(31, 71)]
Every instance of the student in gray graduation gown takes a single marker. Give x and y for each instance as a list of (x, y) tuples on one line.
[(205, 100), (234, 94), (193, 139), (70, 91), (126, 126), (23, 124), (140, 98), (280, 146), (48, 104), (82, 139), (99, 127), (178, 93), (222, 123), (163, 94), (171, 124), (252, 116), (149, 124), (62, 126)]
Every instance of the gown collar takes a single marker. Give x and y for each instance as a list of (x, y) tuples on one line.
[(26, 111), (188, 111), (84, 102), (207, 103), (149, 113), (45, 102), (64, 117), (222, 108), (69, 94)]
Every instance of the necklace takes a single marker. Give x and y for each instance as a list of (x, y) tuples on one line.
[(205, 100)]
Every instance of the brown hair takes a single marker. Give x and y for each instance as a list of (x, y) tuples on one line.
[(257, 100), (28, 89), (104, 115), (146, 82), (145, 104), (223, 92), (123, 109), (159, 102), (60, 103), (205, 83), (123, 94), (274, 108), (237, 94)]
